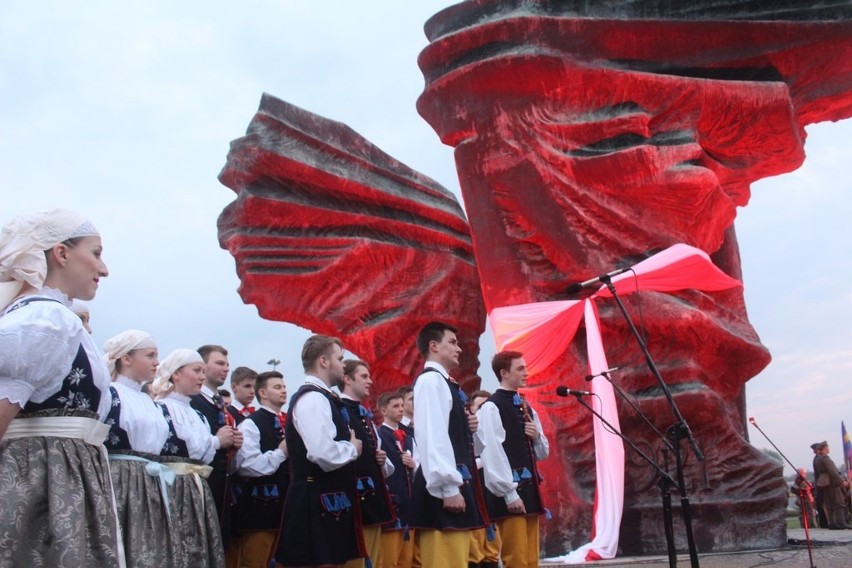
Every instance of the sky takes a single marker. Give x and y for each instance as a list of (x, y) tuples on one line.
[(125, 111)]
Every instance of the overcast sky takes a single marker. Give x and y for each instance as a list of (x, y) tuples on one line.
[(124, 111)]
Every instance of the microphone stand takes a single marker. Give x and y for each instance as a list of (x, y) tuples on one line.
[(665, 484), (641, 414), (676, 433), (804, 492)]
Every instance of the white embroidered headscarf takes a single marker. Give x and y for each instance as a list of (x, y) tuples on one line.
[(124, 343), (23, 240), (161, 385)]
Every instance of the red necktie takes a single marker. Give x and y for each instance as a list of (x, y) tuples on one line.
[(400, 438), (247, 411), (282, 419)]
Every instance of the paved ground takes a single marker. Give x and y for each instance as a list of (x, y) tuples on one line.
[(831, 549)]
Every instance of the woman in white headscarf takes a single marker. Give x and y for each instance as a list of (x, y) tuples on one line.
[(56, 501), (179, 377), (140, 433)]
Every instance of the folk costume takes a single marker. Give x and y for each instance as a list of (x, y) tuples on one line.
[(139, 433), (193, 509), (211, 406), (239, 412), (509, 466), (265, 476), (56, 498), (397, 538), (321, 519), (376, 507), (447, 468)]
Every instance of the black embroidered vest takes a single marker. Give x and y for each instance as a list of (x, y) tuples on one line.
[(520, 453)]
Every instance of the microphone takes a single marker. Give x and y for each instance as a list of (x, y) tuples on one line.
[(577, 286), (565, 391), (608, 371)]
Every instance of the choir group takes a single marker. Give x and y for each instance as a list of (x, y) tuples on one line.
[(116, 457)]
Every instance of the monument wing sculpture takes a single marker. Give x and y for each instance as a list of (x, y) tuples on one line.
[(332, 234)]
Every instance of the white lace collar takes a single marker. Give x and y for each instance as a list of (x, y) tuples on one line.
[(129, 383), (54, 294), (182, 398)]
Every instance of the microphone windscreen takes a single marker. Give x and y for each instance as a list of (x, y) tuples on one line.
[(562, 391)]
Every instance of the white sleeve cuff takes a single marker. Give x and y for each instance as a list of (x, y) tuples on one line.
[(512, 496)]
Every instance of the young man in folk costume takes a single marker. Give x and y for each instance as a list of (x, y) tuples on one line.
[(209, 403), (512, 442), (320, 523), (484, 543), (397, 538), (371, 467), (264, 474), (446, 502)]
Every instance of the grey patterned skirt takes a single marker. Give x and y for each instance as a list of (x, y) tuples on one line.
[(145, 526), (197, 523), (56, 505), (184, 536)]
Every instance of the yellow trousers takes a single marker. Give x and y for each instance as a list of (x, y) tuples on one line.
[(482, 549), (254, 549), (373, 544), (396, 551), (520, 541), (447, 549)]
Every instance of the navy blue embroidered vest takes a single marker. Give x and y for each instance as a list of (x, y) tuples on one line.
[(321, 511), (428, 511), (262, 498), (117, 438), (174, 446), (376, 507), (400, 481), (520, 453)]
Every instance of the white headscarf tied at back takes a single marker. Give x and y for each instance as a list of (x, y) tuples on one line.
[(23, 240), (169, 366), (124, 343)]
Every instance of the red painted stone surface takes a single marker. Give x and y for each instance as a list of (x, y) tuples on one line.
[(331, 234), (584, 144)]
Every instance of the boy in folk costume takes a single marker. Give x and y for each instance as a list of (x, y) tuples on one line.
[(397, 538), (512, 441)]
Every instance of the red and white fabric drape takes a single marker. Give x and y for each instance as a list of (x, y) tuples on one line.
[(543, 331)]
